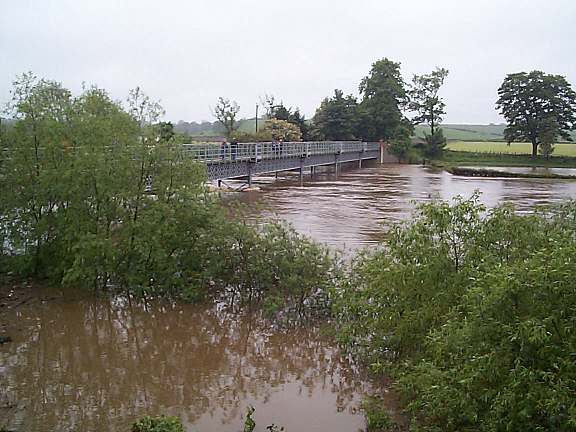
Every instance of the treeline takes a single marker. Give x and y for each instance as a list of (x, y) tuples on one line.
[(539, 108), (388, 109), (100, 195), (474, 313)]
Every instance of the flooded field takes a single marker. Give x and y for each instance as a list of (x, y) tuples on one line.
[(96, 365)]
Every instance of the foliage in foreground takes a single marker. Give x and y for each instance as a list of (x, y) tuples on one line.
[(158, 424), (476, 313), (97, 195), (174, 424)]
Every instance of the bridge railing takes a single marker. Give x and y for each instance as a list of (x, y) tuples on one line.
[(212, 153)]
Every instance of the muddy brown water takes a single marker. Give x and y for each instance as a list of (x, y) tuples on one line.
[(353, 209), (98, 364), (85, 364)]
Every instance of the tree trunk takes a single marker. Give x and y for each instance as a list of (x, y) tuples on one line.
[(534, 149)]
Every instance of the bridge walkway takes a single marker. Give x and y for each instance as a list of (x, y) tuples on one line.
[(245, 160)]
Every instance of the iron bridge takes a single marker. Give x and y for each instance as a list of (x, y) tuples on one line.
[(245, 160)]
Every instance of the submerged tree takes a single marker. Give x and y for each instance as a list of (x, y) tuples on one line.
[(537, 106)]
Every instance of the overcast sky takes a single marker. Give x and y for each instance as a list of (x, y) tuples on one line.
[(187, 53)]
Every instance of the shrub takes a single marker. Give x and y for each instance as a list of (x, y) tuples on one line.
[(158, 424), (474, 312)]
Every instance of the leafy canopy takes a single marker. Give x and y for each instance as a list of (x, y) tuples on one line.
[(474, 312), (383, 97), (537, 107), (424, 99), (337, 118)]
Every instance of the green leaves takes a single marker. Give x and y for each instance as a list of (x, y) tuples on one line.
[(337, 117), (383, 97), (538, 108), (475, 311), (158, 424), (424, 99)]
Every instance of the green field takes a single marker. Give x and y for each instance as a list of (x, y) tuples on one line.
[(503, 148), (462, 132)]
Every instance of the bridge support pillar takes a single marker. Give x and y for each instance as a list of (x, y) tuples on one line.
[(219, 183)]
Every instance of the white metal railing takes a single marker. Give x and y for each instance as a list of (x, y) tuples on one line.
[(273, 150)]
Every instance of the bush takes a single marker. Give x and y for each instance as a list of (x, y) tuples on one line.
[(474, 312), (158, 424), (274, 266), (434, 144)]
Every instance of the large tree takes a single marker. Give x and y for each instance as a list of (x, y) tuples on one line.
[(533, 103), (225, 112), (383, 97), (337, 117)]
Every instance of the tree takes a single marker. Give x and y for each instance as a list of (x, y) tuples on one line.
[(165, 131), (268, 102), (299, 120), (383, 96), (337, 117), (401, 143), (281, 129), (225, 112), (424, 99), (435, 144), (281, 112), (533, 103)]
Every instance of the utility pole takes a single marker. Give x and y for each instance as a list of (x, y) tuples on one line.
[(256, 118)]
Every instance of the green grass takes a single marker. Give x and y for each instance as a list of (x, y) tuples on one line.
[(466, 132), (461, 158), (503, 148), (490, 132)]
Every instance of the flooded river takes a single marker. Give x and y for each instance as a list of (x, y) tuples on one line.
[(351, 210), (97, 364)]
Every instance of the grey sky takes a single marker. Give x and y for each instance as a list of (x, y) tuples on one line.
[(187, 53)]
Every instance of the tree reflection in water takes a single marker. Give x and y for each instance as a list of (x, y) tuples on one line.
[(98, 364)]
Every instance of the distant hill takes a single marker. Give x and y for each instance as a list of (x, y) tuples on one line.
[(456, 132), (491, 132), (460, 132)]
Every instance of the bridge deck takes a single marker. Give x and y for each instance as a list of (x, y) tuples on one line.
[(248, 159)]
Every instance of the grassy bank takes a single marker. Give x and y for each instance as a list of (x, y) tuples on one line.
[(481, 172), (457, 158)]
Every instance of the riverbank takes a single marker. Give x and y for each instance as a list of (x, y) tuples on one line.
[(485, 172), (462, 158)]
